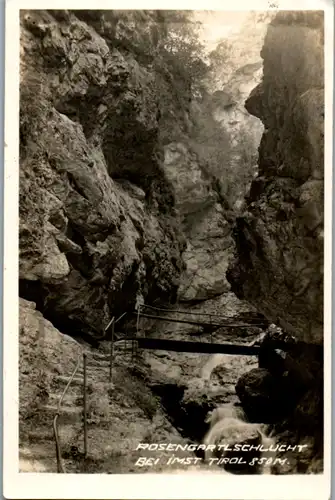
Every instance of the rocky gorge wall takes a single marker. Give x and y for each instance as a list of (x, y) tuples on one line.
[(126, 180), (98, 226), (279, 238)]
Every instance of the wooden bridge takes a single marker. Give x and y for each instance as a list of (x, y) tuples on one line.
[(209, 322)]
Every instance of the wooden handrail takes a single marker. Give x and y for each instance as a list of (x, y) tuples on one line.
[(113, 321), (120, 317), (109, 324)]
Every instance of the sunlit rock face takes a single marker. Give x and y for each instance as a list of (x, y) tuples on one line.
[(207, 232), (205, 204), (244, 132), (244, 129), (279, 265), (238, 71), (211, 171)]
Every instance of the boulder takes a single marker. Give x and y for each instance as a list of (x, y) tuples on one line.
[(261, 395), (269, 398)]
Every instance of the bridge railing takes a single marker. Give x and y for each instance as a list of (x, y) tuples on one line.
[(209, 319), (191, 313), (194, 316)]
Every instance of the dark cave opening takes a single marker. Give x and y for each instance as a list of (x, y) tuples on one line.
[(35, 291)]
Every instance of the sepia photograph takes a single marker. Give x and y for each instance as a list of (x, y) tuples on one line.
[(171, 255)]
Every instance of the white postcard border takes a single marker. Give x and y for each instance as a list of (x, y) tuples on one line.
[(143, 486)]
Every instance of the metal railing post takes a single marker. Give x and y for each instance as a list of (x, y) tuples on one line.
[(85, 404)]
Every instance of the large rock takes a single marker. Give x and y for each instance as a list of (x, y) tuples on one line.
[(287, 391), (279, 266), (47, 358), (44, 354), (261, 395)]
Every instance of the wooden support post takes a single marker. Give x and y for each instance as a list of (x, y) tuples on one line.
[(111, 353), (85, 404), (125, 342)]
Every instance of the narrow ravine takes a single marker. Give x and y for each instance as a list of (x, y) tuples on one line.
[(161, 167)]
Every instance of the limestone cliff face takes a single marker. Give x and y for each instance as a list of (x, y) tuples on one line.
[(204, 223), (213, 186), (244, 131), (211, 171), (98, 227), (279, 238)]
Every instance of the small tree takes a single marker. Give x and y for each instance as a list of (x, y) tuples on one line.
[(182, 50)]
